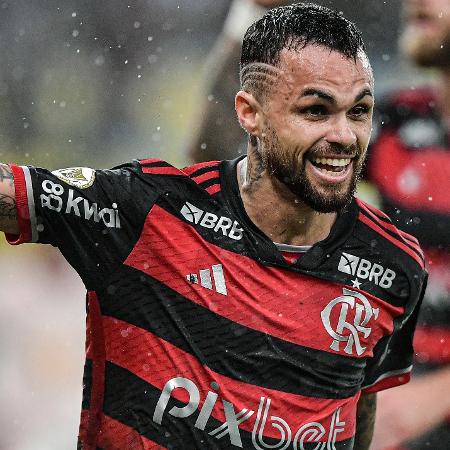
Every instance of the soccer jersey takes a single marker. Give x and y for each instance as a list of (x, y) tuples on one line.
[(200, 334), (410, 164)]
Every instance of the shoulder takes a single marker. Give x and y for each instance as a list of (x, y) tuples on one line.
[(160, 173), (382, 235)]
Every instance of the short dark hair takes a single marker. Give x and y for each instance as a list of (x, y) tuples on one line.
[(294, 27)]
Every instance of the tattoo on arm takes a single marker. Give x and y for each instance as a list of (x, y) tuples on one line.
[(7, 207), (365, 421), (6, 175)]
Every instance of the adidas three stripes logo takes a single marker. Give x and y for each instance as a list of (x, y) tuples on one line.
[(205, 280)]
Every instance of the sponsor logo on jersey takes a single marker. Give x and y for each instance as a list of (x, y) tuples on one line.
[(354, 312), (79, 206), (204, 276), (206, 219), (291, 439), (79, 177), (366, 270)]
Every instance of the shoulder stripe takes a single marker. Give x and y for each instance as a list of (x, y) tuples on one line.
[(205, 176), (157, 166), (203, 167), (407, 239), (214, 189), (370, 223), (372, 208), (156, 162), (162, 170)]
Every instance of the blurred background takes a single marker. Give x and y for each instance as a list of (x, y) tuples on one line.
[(96, 83)]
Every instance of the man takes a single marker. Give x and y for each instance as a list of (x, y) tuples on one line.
[(414, 186), (248, 304)]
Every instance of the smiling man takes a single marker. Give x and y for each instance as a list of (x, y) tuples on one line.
[(252, 303)]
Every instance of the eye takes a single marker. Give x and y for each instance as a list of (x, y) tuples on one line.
[(360, 110), (315, 111)]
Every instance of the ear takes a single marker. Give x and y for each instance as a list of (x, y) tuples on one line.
[(248, 111)]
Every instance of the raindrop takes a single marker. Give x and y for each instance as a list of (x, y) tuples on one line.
[(75, 33)]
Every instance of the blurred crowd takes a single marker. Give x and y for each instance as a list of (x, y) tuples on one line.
[(95, 84)]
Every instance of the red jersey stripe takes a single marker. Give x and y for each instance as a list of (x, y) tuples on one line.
[(407, 239), (214, 189), (95, 349), (23, 213), (168, 170), (206, 176), (388, 382), (116, 435), (371, 224), (191, 169), (157, 361), (250, 296)]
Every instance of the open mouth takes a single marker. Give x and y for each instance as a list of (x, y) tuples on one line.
[(334, 167)]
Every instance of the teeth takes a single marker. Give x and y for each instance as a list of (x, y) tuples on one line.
[(342, 162)]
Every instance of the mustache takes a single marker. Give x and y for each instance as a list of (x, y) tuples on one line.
[(325, 149)]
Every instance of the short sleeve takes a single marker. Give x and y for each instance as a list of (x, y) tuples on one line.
[(93, 216), (393, 355)]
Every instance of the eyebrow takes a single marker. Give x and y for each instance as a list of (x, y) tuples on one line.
[(312, 92)]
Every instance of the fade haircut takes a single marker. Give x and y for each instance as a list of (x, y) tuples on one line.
[(292, 27)]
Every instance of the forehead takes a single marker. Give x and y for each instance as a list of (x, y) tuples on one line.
[(318, 66)]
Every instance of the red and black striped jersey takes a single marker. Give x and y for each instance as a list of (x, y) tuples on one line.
[(200, 334)]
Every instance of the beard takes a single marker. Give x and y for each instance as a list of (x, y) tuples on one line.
[(283, 164), (426, 52)]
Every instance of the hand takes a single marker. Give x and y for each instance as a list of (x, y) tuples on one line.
[(271, 3)]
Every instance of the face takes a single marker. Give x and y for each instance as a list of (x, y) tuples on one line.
[(426, 35), (317, 119)]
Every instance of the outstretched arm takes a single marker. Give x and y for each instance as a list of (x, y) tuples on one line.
[(8, 214), (365, 420)]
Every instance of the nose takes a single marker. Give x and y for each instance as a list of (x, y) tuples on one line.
[(341, 132)]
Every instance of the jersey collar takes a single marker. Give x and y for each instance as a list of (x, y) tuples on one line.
[(262, 248)]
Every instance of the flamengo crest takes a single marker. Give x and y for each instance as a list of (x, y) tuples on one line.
[(355, 313)]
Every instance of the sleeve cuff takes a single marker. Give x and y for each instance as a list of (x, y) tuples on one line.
[(24, 206), (388, 380)]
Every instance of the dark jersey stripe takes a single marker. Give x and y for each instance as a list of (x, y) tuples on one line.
[(116, 435), (157, 361), (370, 223), (202, 178), (393, 231), (227, 347), (132, 401), (198, 169)]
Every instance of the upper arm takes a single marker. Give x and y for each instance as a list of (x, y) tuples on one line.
[(365, 421), (8, 211), (94, 217)]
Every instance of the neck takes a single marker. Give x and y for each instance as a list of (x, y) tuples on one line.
[(275, 210)]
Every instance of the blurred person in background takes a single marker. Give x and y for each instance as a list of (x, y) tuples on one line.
[(215, 134), (158, 303), (409, 162)]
